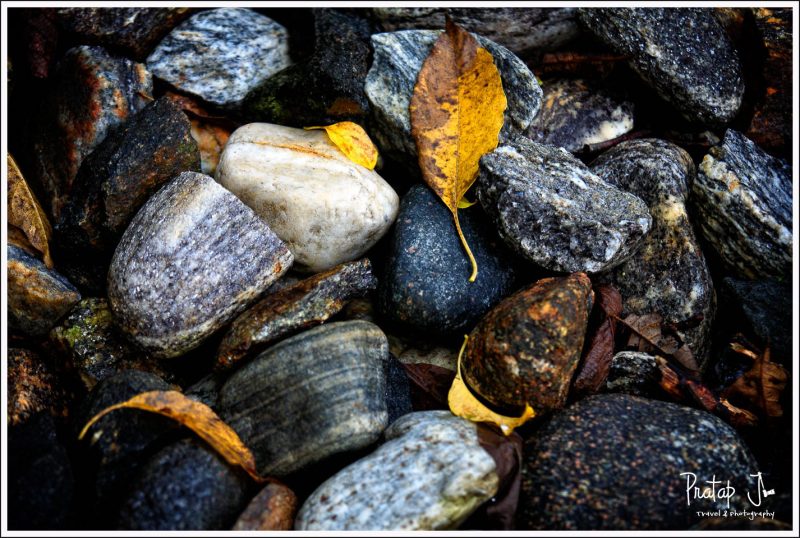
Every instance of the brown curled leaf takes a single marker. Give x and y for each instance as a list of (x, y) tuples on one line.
[(600, 347), (196, 416), (25, 212), (761, 386)]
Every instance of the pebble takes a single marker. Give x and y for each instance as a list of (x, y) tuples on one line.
[(192, 258), (765, 307), (32, 388), (118, 177), (221, 54), (40, 476), (273, 509), (575, 113), (185, 486), (425, 287), (328, 209), (430, 474), (326, 88), (632, 372), (134, 31), (743, 198), (398, 390), (668, 274), (318, 393), (117, 447), (92, 347), (38, 297), (551, 209), (397, 60), (613, 462), (525, 350), (522, 31), (684, 54), (296, 308), (91, 93), (410, 350)]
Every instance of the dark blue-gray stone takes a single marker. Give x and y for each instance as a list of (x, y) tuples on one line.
[(614, 462), (683, 54), (185, 486), (426, 282), (743, 198)]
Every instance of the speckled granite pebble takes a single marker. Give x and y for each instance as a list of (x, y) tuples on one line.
[(526, 349), (193, 257), (128, 167), (319, 393), (523, 31), (328, 209), (743, 198), (668, 274), (37, 296), (551, 209), (91, 93), (295, 308), (185, 486), (221, 54), (429, 475), (425, 286), (32, 388), (575, 114), (683, 53), (397, 60), (614, 461)]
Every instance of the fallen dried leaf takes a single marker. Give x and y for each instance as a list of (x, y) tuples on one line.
[(456, 115), (506, 451), (600, 348), (464, 404), (25, 213), (762, 385), (211, 140), (430, 385), (353, 141), (196, 416), (648, 335)]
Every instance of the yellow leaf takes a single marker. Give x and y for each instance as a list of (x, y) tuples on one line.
[(353, 141), (465, 405), (25, 213), (196, 416), (456, 116), (464, 203)]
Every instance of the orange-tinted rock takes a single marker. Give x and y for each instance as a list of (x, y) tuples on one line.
[(273, 509), (526, 349), (32, 388)]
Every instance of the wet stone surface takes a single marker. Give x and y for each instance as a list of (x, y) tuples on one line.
[(526, 349), (118, 177), (221, 54), (743, 198), (552, 210), (134, 31), (32, 388), (293, 309), (196, 233), (93, 348), (574, 114), (425, 286), (614, 462), (668, 273), (430, 474), (316, 394), (273, 509), (91, 93), (683, 54), (37, 296)]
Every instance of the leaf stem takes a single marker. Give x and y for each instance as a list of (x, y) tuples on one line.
[(474, 274)]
